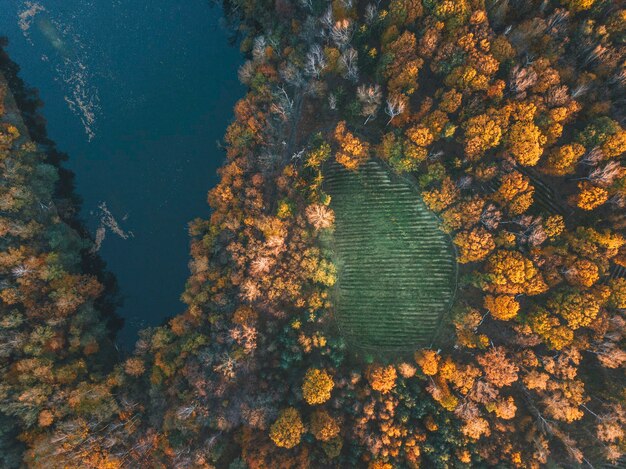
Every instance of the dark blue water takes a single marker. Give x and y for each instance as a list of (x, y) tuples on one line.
[(137, 93)]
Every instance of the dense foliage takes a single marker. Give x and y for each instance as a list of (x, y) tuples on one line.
[(509, 116)]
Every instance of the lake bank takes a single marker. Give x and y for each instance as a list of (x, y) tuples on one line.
[(150, 152)]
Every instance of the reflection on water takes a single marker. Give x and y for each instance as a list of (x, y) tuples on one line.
[(137, 93)]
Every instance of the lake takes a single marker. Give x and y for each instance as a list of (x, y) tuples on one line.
[(138, 94)]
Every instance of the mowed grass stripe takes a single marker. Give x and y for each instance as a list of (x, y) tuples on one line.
[(396, 269)]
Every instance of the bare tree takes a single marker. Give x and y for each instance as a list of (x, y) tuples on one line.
[(595, 54), (522, 78), (593, 157), (349, 59), (270, 161), (435, 155), (258, 48), (371, 11), (619, 78), (292, 75), (464, 182), (327, 19), (282, 104), (332, 101), (537, 235), (226, 367), (246, 72), (617, 201), (310, 29), (370, 98), (315, 61), (605, 176), (185, 412), (579, 90), (558, 20), (395, 106), (491, 217), (315, 87), (20, 271), (557, 95), (297, 156), (341, 32)]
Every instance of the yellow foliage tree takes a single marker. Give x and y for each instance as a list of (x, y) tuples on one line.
[(465, 213), (503, 307), (515, 193), (450, 101), (474, 245), (615, 144), (378, 464), (405, 11), (511, 273), (402, 71), (563, 160), (578, 5), (481, 133), (550, 329), (579, 309), (420, 135), (582, 272), (618, 293), (287, 430), (525, 142), (590, 196), (554, 226), (438, 199), (317, 386)]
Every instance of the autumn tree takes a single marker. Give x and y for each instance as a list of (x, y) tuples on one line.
[(499, 370), (525, 142), (287, 430), (382, 378), (428, 360), (590, 197), (502, 307), (474, 245), (317, 386), (563, 160), (352, 151), (323, 426), (511, 273), (403, 65), (481, 133), (515, 193)]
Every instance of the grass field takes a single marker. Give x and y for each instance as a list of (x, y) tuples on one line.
[(396, 269)]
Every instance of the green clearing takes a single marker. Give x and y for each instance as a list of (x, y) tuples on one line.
[(396, 269)]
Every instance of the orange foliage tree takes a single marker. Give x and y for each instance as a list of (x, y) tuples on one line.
[(382, 378), (352, 151)]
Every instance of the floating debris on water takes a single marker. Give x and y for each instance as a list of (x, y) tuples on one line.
[(108, 222), (70, 67)]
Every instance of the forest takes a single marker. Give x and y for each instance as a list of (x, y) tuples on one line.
[(506, 116)]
